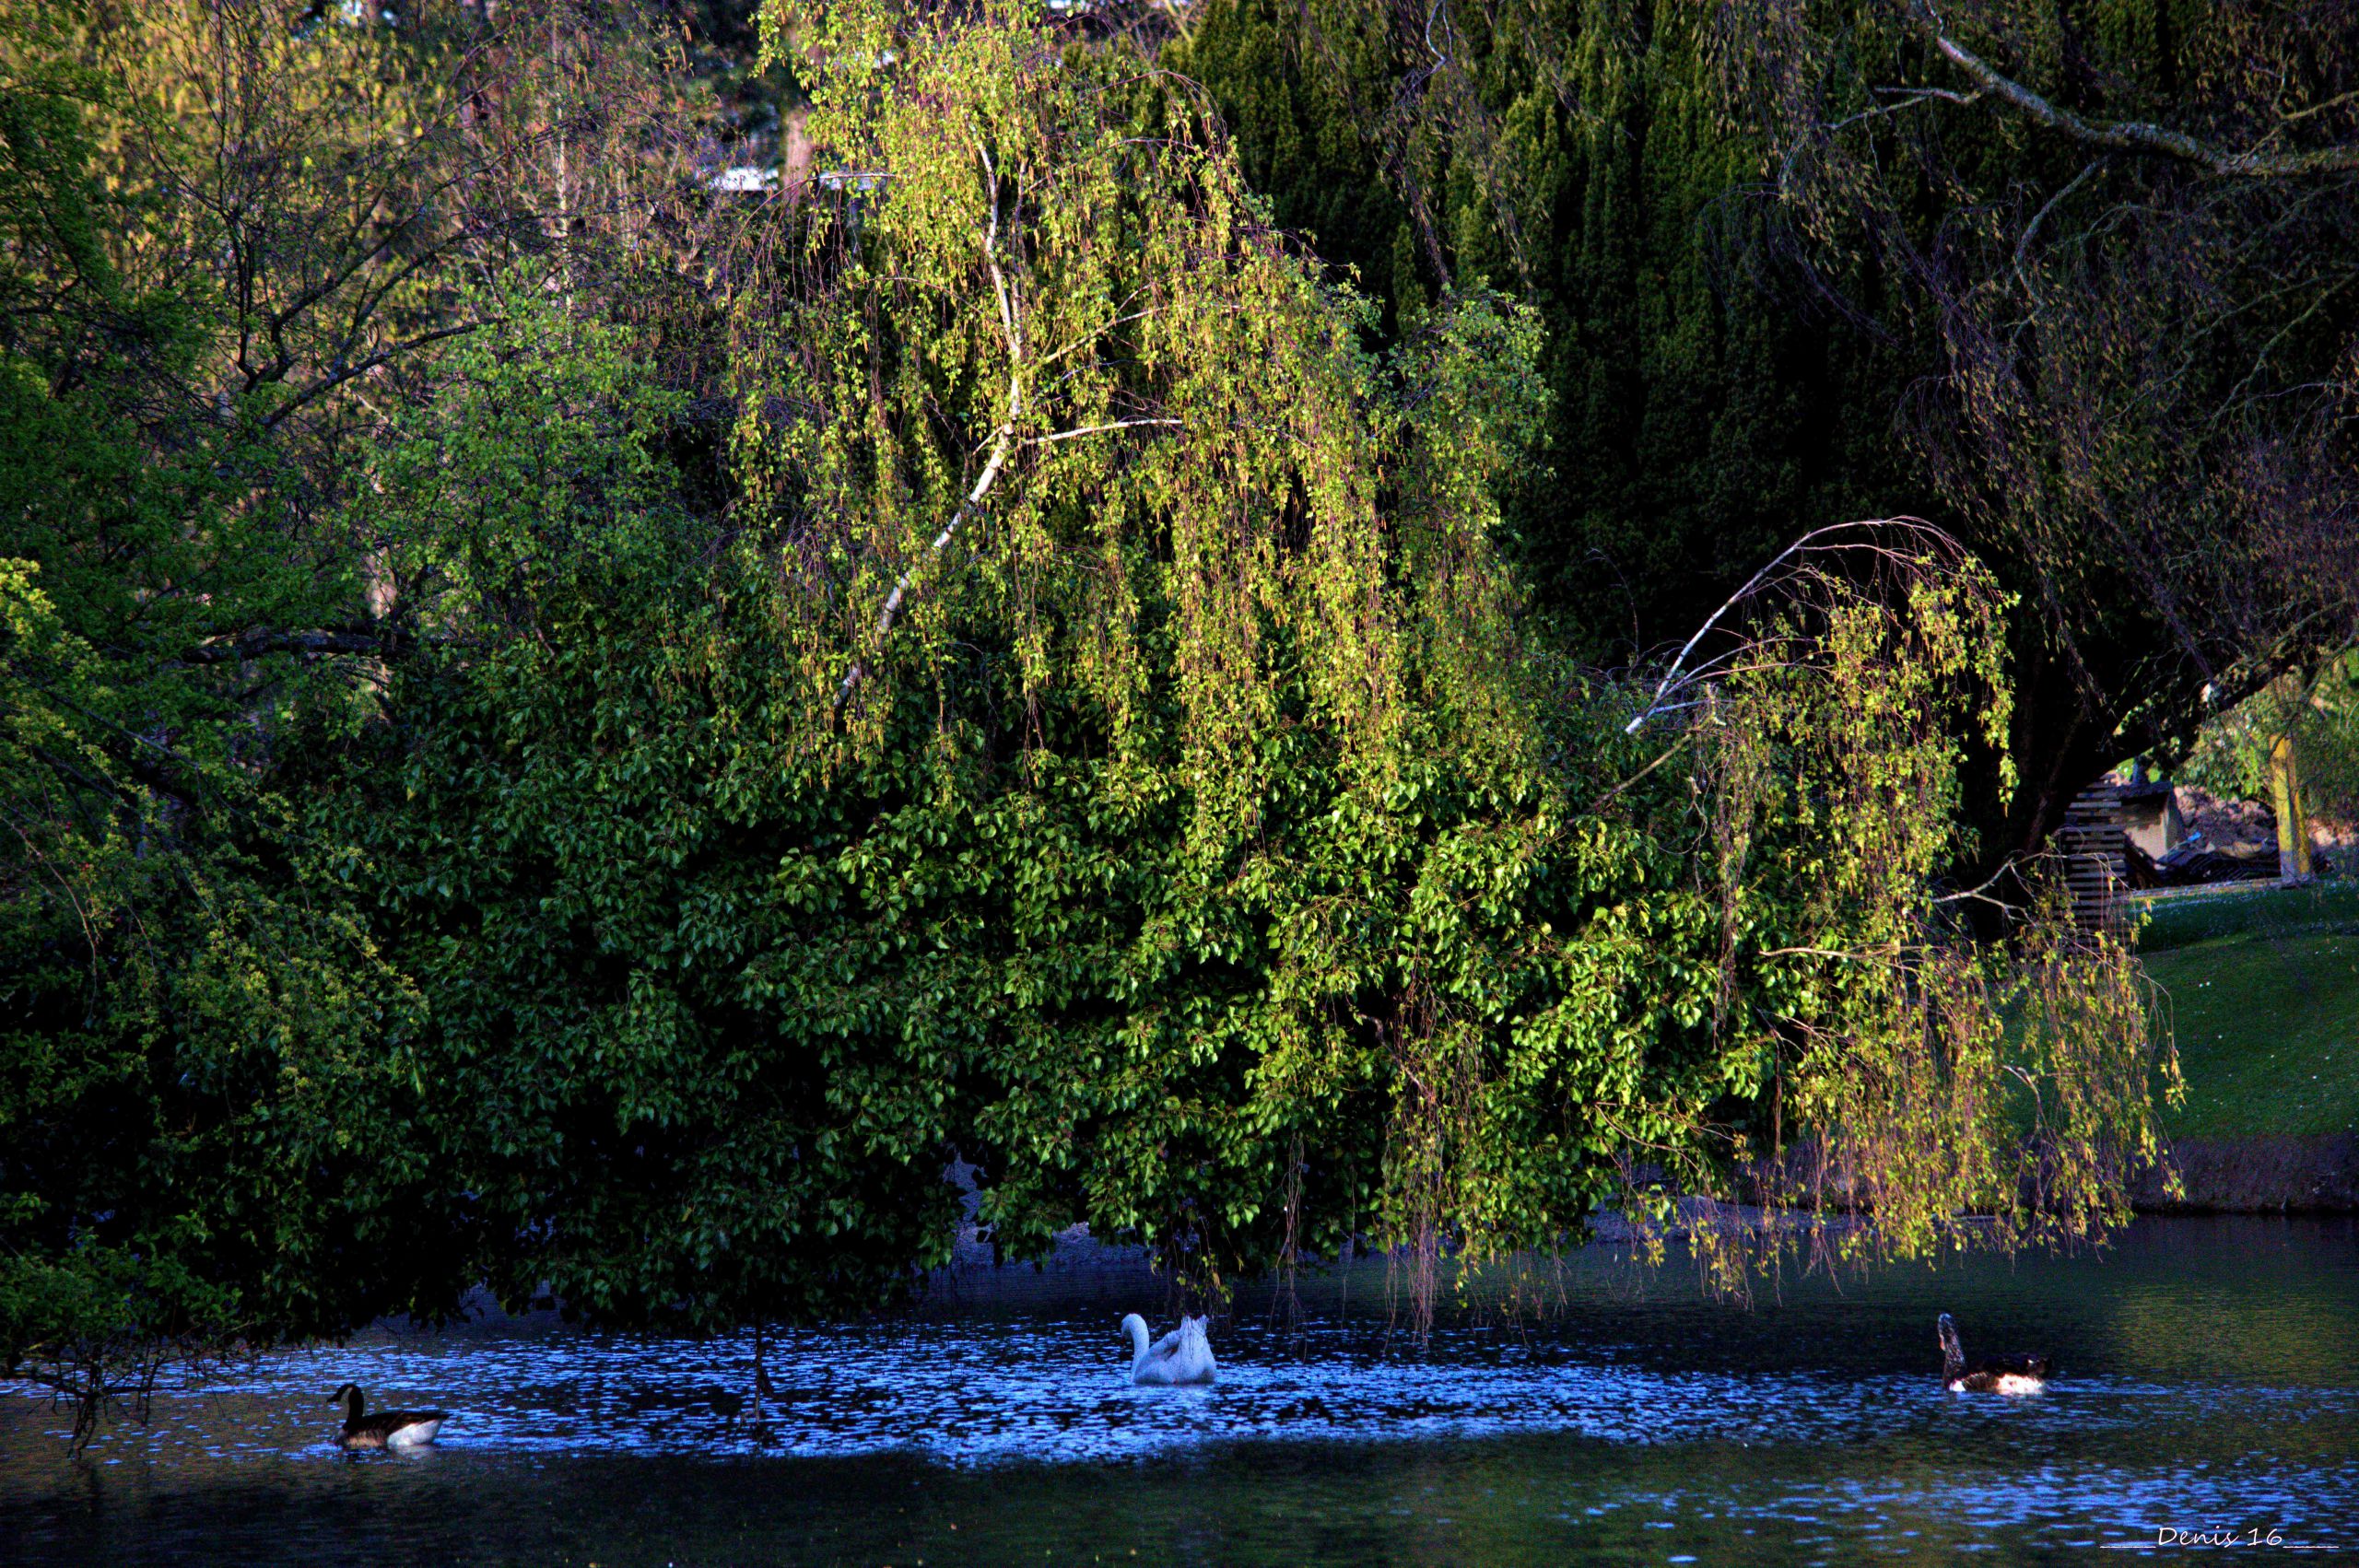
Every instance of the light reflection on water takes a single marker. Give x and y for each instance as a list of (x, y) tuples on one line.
[(2209, 1379)]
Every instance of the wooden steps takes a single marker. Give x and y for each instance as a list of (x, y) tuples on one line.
[(2095, 850)]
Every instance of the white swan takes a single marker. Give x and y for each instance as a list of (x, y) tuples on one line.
[(1184, 1355)]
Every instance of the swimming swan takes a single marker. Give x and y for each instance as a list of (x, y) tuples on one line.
[(1992, 1374), (1184, 1355), (386, 1429)]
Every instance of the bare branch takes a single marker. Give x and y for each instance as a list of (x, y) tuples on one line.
[(1907, 97), (1094, 429), (1676, 676), (2031, 230), (335, 379), (2132, 136)]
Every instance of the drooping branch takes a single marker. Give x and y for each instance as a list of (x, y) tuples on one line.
[(2132, 136), (1678, 677), (1004, 442)]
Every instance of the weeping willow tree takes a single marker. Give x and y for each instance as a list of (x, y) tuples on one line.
[(1082, 486), (1920, 1090), (1309, 901), (1047, 373)]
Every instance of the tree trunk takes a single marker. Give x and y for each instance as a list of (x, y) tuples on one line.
[(2293, 823)]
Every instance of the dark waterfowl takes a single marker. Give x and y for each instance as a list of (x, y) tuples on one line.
[(1990, 1374), (386, 1429)]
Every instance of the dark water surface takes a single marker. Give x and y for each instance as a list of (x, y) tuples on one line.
[(2208, 1379)]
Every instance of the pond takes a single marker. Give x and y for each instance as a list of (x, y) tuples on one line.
[(2208, 1379)]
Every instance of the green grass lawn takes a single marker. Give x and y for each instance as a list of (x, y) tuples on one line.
[(2263, 989), (2249, 908)]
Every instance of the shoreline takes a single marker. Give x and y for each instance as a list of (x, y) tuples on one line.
[(2265, 1174)]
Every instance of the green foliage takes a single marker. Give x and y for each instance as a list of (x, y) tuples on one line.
[(1499, 993), (192, 1060), (2320, 714), (575, 831)]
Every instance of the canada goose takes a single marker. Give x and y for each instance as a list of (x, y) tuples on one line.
[(1992, 1374), (386, 1429), (1184, 1355)]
